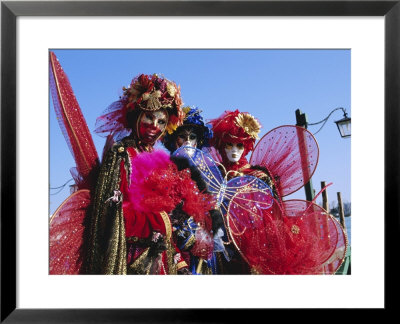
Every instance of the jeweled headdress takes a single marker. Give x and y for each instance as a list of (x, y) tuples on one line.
[(235, 127), (192, 118), (145, 93)]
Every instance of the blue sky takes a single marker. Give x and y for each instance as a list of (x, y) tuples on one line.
[(269, 84)]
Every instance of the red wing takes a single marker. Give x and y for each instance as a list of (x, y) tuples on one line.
[(290, 153), (66, 234), (332, 237), (72, 123), (337, 258), (295, 238)]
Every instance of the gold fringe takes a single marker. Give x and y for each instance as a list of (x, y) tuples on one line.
[(141, 265), (107, 248)]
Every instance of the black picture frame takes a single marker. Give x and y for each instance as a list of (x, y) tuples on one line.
[(10, 10)]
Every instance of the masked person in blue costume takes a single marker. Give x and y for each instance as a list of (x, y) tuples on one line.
[(194, 133)]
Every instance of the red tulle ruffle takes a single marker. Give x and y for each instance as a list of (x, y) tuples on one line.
[(157, 185)]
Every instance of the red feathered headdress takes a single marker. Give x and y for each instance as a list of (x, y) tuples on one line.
[(235, 127)]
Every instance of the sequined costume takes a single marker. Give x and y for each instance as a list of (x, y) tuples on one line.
[(193, 132), (124, 239)]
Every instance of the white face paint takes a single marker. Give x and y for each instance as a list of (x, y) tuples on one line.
[(234, 151)]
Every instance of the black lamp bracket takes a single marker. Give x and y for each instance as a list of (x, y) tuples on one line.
[(326, 118)]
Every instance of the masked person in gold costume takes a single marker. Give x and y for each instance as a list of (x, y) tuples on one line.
[(125, 237)]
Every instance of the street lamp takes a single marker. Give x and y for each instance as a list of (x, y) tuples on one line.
[(344, 127)]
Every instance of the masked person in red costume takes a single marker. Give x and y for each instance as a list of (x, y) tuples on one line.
[(291, 236), (234, 136), (124, 236)]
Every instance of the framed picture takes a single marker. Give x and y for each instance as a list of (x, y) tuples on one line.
[(216, 27)]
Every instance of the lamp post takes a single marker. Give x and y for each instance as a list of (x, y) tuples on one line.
[(301, 120), (344, 127)]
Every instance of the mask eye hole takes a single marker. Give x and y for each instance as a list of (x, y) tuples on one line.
[(192, 137), (239, 146), (229, 146)]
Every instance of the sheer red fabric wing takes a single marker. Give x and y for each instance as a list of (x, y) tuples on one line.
[(72, 123), (295, 238), (66, 234), (337, 258), (290, 153), (332, 239)]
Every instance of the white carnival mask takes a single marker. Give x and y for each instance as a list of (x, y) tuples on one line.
[(234, 151)]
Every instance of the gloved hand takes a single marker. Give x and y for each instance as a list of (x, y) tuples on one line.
[(217, 221)]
